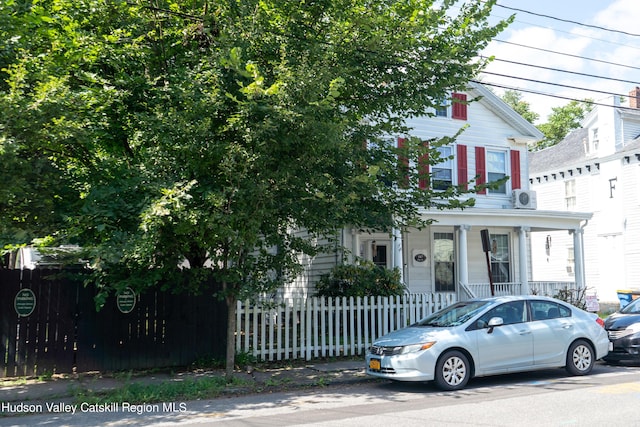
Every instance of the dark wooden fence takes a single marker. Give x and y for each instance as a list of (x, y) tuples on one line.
[(65, 333)]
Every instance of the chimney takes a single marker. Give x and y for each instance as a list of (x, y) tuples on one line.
[(634, 98)]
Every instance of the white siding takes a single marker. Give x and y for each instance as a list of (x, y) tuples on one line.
[(611, 237), (485, 129)]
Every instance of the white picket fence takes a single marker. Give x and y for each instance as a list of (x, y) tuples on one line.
[(315, 327)]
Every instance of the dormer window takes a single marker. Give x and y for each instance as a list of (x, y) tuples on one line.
[(591, 145)]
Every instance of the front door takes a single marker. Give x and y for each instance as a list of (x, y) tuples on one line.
[(443, 262)]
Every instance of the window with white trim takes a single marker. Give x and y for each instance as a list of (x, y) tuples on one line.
[(442, 173), (570, 194), (500, 258), (571, 262), (496, 170), (441, 109)]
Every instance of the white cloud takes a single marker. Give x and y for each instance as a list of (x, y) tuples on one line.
[(577, 42)]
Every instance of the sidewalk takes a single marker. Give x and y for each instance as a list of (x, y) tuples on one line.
[(66, 388)]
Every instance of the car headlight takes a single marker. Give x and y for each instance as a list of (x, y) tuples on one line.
[(633, 328), (416, 347)]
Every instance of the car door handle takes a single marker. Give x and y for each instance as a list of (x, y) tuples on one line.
[(524, 332), (567, 326)]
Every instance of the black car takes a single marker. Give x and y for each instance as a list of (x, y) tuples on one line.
[(623, 328)]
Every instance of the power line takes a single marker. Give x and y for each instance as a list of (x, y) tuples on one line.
[(562, 71), (573, 35), (568, 21), (567, 54), (568, 98), (550, 83)]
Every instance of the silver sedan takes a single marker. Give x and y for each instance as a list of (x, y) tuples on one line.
[(490, 336)]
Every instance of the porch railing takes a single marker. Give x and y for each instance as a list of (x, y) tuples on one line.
[(482, 290)]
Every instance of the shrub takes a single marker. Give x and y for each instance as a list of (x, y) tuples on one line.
[(364, 279)]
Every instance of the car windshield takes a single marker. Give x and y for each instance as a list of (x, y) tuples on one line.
[(632, 308), (454, 315)]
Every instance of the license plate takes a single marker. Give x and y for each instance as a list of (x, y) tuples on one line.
[(374, 364), (610, 346)]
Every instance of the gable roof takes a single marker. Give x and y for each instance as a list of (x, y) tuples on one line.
[(506, 113), (567, 152)]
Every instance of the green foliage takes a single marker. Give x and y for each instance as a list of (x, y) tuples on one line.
[(361, 280), (165, 391), (560, 122), (179, 143), (245, 359), (514, 99), (563, 120)]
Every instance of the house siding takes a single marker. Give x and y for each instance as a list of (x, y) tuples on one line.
[(607, 179), (490, 126), (485, 129)]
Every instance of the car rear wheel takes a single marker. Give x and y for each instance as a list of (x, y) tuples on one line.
[(580, 358), (452, 371)]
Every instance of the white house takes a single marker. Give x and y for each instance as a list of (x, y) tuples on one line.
[(448, 256), (594, 169)]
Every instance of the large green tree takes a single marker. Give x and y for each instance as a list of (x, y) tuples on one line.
[(181, 143), (563, 120)]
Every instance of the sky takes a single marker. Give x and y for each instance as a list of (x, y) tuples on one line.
[(617, 54)]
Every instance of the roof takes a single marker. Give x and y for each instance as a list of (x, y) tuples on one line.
[(568, 151), (533, 219), (508, 114)]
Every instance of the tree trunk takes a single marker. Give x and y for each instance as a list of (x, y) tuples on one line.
[(231, 335)]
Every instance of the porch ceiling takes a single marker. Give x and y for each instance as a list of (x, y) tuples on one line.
[(535, 220)]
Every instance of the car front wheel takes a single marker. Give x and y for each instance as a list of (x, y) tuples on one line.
[(452, 371), (580, 358)]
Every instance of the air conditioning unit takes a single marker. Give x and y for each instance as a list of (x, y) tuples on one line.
[(524, 199)]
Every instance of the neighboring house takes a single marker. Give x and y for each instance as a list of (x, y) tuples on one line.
[(594, 169), (30, 258), (448, 256)]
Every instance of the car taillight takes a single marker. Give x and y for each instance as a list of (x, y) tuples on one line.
[(600, 321)]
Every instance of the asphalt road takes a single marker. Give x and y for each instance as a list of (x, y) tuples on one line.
[(609, 396)]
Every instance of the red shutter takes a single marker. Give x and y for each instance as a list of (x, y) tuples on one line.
[(515, 170), (423, 169), (459, 106), (481, 168), (461, 158), (403, 165)]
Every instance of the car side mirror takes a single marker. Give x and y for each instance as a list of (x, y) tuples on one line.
[(495, 321)]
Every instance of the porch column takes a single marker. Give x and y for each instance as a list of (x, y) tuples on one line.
[(463, 258), (397, 252), (578, 256), (355, 245), (522, 252)]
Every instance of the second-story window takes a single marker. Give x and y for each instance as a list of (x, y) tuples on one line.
[(441, 109), (442, 173), (496, 170)]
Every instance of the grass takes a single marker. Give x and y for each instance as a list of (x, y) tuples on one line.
[(166, 391), (204, 380)]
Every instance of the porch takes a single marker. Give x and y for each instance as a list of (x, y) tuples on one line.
[(482, 290)]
